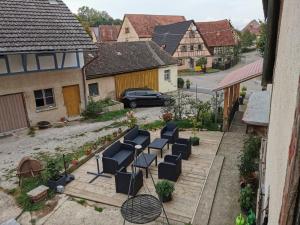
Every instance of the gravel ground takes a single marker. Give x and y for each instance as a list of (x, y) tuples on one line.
[(68, 138)]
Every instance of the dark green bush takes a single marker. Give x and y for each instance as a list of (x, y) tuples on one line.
[(94, 108), (164, 188), (180, 82), (246, 198)]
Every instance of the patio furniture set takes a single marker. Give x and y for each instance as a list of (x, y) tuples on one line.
[(118, 156)]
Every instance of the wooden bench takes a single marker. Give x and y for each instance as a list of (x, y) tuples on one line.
[(38, 194)]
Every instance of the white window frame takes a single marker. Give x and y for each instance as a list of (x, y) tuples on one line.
[(167, 75), (45, 106)]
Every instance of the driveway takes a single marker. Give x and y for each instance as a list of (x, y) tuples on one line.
[(54, 140), (207, 82)]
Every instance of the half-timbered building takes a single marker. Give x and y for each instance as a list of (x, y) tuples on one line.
[(184, 42)]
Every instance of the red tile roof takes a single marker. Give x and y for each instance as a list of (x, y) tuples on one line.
[(242, 74), (217, 33), (253, 27), (144, 24), (109, 32)]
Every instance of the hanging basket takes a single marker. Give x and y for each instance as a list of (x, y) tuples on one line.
[(141, 209)]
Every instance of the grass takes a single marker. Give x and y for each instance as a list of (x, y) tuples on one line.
[(98, 209), (81, 201), (211, 70), (157, 124), (21, 194), (111, 115)]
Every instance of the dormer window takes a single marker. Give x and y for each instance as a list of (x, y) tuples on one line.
[(127, 31)]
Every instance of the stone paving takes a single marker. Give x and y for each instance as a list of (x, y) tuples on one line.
[(226, 202)]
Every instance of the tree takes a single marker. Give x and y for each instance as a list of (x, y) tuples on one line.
[(95, 17), (202, 62), (247, 40), (261, 42)]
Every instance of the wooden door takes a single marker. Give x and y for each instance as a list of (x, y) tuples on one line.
[(13, 114), (72, 100)]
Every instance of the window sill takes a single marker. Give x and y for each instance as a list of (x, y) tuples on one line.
[(46, 109)]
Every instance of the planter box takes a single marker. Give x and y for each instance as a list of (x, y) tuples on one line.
[(38, 194), (118, 106), (52, 184)]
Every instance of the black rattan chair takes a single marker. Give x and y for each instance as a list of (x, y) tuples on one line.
[(170, 169), (182, 146), (122, 179), (137, 137), (170, 132)]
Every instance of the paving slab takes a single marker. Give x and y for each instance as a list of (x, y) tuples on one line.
[(8, 207)]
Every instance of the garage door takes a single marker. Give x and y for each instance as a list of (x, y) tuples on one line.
[(12, 113)]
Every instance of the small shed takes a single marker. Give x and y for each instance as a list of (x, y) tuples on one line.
[(231, 87), (257, 113)]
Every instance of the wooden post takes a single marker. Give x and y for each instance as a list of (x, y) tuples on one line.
[(225, 113)]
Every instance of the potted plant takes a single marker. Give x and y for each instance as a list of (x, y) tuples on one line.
[(88, 151), (55, 178), (188, 84), (75, 162), (167, 116), (194, 139), (164, 189), (115, 133)]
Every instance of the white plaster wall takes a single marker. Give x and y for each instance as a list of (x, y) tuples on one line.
[(131, 36), (46, 62), (286, 75), (167, 86)]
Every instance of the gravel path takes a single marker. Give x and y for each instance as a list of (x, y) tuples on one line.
[(68, 138)]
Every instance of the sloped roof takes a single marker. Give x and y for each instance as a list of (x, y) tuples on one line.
[(114, 58), (108, 32), (253, 27), (217, 33), (242, 74), (170, 35), (144, 24), (36, 25)]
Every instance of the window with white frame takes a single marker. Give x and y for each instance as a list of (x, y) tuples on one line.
[(167, 75), (44, 98), (93, 89)]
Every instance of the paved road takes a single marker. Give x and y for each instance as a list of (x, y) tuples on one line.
[(205, 83)]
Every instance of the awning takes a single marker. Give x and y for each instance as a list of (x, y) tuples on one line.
[(258, 109), (241, 75)]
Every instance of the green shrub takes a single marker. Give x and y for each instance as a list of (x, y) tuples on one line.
[(94, 108), (164, 188), (53, 169), (98, 209), (180, 82), (246, 198), (249, 156)]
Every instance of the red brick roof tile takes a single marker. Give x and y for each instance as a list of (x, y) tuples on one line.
[(109, 32), (217, 33), (144, 24), (253, 27)]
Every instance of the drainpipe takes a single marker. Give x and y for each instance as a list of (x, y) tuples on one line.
[(84, 81)]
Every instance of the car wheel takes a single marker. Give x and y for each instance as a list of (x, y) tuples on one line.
[(132, 105)]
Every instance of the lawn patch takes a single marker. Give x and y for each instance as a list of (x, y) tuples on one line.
[(98, 209), (111, 115)]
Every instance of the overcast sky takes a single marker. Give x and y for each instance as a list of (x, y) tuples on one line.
[(240, 12)]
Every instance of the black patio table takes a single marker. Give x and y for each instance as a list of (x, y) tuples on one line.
[(144, 161), (159, 144)]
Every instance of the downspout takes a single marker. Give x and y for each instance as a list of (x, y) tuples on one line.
[(83, 71)]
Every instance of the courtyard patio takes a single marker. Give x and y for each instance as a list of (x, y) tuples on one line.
[(188, 188)]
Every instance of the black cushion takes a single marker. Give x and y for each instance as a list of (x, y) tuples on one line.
[(122, 156), (140, 139)]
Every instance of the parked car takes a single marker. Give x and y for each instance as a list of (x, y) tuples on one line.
[(144, 97)]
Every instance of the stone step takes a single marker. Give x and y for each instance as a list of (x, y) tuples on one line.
[(202, 213)]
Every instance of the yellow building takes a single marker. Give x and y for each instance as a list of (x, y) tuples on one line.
[(122, 65)]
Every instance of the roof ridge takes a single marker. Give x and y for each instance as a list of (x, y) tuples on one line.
[(155, 56)]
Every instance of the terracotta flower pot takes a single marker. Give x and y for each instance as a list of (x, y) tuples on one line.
[(74, 162)]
